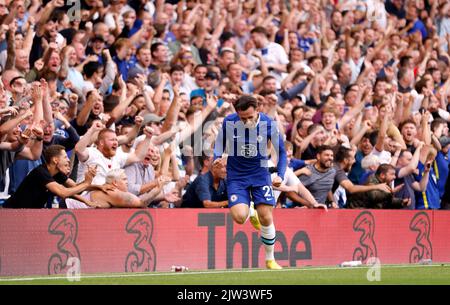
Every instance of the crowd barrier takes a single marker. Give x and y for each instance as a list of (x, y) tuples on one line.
[(40, 242)]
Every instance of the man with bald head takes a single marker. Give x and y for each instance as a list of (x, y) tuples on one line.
[(7, 76), (102, 30), (22, 63)]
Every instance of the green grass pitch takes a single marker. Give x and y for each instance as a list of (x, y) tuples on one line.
[(389, 274)]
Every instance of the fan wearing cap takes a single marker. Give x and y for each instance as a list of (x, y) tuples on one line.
[(18, 87), (211, 87), (154, 122), (198, 98), (212, 83)]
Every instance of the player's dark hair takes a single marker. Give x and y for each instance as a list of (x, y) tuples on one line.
[(420, 85), (52, 151), (313, 58), (245, 102)]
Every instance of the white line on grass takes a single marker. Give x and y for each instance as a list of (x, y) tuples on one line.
[(144, 274)]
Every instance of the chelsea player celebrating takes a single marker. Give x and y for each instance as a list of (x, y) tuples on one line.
[(245, 137)]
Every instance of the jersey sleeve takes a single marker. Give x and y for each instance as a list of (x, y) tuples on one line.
[(220, 144), (278, 145)]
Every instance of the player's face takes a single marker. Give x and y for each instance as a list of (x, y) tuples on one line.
[(249, 117)]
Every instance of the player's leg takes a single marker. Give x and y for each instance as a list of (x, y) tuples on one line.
[(238, 202), (265, 200), (240, 213)]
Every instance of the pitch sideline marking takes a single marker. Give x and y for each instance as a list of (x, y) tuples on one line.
[(143, 274)]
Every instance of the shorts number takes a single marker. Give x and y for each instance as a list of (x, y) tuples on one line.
[(268, 191)]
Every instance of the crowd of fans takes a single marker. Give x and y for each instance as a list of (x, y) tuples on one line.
[(114, 103)]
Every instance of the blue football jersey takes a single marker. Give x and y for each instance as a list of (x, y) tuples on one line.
[(429, 199), (248, 150)]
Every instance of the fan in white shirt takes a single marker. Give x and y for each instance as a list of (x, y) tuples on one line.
[(105, 155)]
